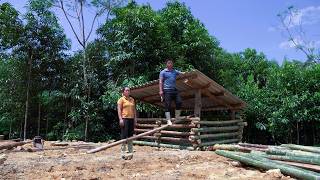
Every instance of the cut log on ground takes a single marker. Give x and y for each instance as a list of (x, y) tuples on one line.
[(268, 164), (10, 145)]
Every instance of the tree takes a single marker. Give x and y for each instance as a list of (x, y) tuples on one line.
[(75, 10), (293, 27)]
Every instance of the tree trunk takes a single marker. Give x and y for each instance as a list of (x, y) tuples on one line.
[(27, 99), (39, 118), (47, 128), (65, 116), (298, 133)]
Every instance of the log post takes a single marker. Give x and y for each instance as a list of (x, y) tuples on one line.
[(158, 134), (197, 103)]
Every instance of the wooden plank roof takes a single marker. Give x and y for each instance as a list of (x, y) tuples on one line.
[(214, 96)]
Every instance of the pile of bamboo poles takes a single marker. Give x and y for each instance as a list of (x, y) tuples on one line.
[(191, 134), (294, 160), (208, 133)]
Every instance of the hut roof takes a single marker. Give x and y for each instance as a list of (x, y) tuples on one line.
[(213, 96)]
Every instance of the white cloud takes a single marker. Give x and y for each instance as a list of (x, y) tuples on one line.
[(305, 16)]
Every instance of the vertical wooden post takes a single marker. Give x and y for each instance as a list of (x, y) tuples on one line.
[(197, 103), (197, 113), (233, 114)]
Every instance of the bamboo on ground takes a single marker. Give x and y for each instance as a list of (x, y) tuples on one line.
[(302, 148), (254, 145), (231, 147), (311, 167), (219, 142), (268, 164)]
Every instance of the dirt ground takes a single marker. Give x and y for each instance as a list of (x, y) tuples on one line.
[(147, 163)]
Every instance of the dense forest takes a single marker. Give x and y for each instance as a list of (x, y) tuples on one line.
[(46, 90)]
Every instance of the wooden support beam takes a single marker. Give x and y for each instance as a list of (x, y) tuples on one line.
[(165, 132), (197, 103), (215, 99)]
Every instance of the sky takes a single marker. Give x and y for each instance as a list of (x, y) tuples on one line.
[(237, 24)]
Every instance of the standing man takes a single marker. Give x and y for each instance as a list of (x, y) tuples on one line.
[(168, 90)]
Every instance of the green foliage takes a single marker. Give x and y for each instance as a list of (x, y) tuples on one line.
[(282, 101)]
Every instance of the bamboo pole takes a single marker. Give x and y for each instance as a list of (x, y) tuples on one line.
[(170, 139), (302, 148), (254, 145), (231, 147), (185, 118), (210, 143), (218, 122), (301, 159), (311, 167), (173, 146), (292, 153), (268, 164), (175, 133), (215, 129), (215, 136), (132, 138)]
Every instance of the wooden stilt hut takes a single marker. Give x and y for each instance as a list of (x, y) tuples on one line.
[(199, 94)]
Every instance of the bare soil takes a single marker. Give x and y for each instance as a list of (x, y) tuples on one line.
[(147, 163)]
